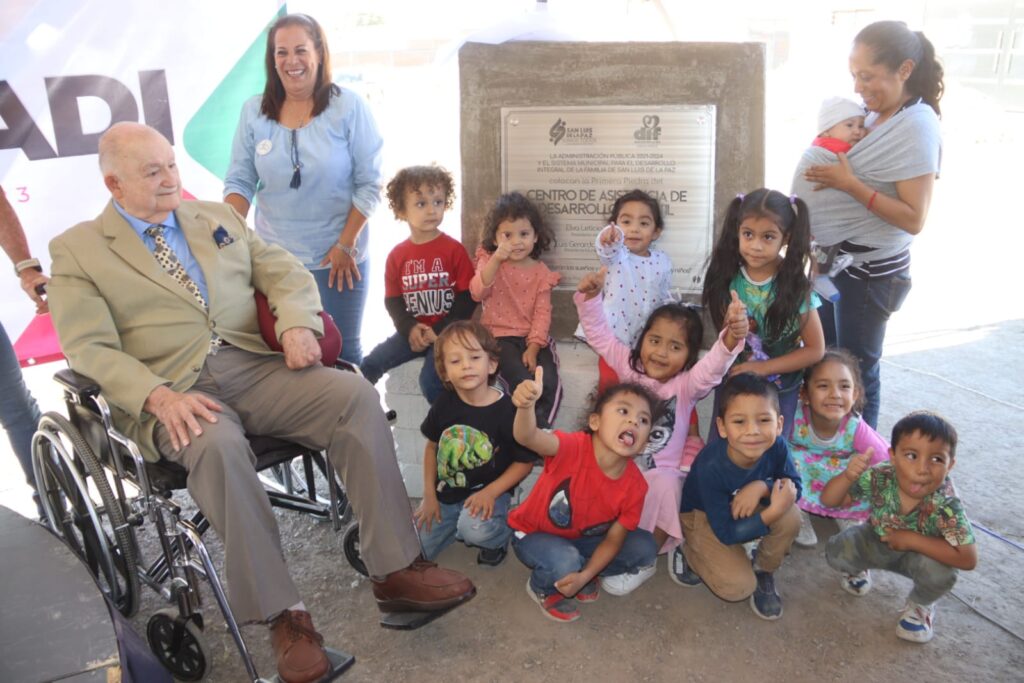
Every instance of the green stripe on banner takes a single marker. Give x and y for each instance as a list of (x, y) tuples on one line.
[(209, 133)]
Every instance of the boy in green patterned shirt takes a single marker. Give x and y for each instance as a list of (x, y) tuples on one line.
[(917, 527)]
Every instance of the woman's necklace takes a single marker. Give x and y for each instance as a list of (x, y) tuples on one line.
[(301, 120)]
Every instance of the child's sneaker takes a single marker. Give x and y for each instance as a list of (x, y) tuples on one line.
[(750, 548), (679, 571), (554, 606), (915, 623), (624, 584), (492, 557), (589, 593), (765, 601), (856, 584), (806, 538), (845, 524)]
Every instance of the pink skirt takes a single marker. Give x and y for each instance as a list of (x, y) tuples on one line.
[(661, 506)]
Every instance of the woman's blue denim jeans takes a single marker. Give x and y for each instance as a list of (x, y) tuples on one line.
[(19, 413), (347, 309), (857, 323)]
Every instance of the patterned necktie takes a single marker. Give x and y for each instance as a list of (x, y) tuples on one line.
[(168, 260)]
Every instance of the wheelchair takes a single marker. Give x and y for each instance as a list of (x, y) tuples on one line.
[(97, 491)]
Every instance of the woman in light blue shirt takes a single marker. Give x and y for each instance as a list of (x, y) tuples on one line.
[(309, 152)]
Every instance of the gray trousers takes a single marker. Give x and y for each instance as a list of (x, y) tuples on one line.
[(859, 548), (318, 407)]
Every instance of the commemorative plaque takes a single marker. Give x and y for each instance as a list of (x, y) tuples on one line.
[(573, 162)]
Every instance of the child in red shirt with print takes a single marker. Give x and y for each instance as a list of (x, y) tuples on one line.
[(581, 518), (426, 279)]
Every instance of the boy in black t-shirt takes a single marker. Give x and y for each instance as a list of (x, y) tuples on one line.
[(471, 461)]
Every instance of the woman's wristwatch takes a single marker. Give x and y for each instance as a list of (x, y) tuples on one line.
[(351, 251)]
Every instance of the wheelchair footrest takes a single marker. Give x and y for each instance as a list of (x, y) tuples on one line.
[(340, 663), (408, 621)]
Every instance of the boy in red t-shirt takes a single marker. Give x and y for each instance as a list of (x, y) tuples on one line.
[(580, 520), (426, 279)]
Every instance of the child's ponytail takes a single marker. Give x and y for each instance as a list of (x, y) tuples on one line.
[(792, 287), (725, 263)]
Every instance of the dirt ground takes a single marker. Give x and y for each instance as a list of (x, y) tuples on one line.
[(665, 632)]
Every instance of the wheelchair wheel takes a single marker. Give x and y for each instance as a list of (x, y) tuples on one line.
[(179, 645), (292, 476), (82, 509), (350, 544)]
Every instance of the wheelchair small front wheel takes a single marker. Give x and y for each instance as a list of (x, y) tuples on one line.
[(350, 544), (179, 645)]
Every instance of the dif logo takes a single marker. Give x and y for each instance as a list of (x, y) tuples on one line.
[(649, 130), (64, 93)]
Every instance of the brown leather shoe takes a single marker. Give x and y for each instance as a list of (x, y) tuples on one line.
[(422, 587), (299, 648)]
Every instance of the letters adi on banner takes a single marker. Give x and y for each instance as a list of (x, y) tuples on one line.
[(71, 68)]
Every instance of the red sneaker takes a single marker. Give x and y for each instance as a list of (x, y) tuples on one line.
[(555, 606), (589, 593)]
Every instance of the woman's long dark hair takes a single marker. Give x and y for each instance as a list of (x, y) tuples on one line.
[(791, 287), (892, 43), (273, 92)]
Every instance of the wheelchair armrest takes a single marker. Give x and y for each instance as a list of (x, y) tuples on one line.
[(79, 385), (345, 366)]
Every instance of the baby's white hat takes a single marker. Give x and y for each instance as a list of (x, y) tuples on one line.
[(836, 110)]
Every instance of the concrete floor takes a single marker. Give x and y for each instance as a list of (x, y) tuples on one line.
[(664, 632)]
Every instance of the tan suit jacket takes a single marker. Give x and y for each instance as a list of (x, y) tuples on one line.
[(128, 325)]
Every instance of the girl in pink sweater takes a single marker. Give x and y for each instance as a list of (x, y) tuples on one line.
[(665, 361), (514, 287)]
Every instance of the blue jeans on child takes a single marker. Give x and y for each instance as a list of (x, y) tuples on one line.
[(347, 309), (552, 557), (458, 525), (859, 548), (395, 351), (857, 323)]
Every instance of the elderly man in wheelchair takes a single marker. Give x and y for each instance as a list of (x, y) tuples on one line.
[(154, 301)]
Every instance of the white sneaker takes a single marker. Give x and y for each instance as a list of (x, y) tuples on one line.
[(915, 623), (845, 524), (624, 584), (856, 584), (806, 538)]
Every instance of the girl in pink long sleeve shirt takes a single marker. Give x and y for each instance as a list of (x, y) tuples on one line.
[(514, 286), (665, 361)]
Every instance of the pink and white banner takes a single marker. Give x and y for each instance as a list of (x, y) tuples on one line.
[(71, 68)]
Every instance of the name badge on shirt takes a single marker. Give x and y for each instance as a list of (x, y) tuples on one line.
[(263, 147)]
